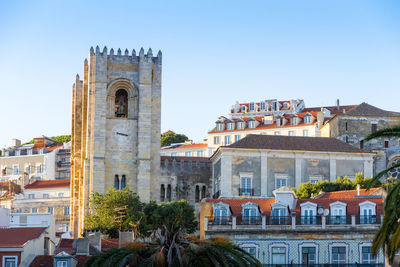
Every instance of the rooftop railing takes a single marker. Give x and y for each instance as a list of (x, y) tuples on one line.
[(293, 222)]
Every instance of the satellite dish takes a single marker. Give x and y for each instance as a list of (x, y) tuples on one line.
[(320, 211), (326, 212)]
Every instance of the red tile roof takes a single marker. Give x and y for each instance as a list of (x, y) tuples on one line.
[(66, 245), (109, 243), (47, 261), (190, 146), (333, 109), (263, 126), (48, 184), (347, 193), (279, 142), (349, 197), (235, 204), (17, 237), (178, 158)]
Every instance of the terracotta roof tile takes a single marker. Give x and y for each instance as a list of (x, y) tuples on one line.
[(333, 109), (109, 243), (365, 109), (235, 204), (278, 142), (178, 158), (66, 245), (191, 146), (48, 260), (48, 184), (17, 237)]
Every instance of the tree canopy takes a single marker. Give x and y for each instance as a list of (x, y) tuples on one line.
[(170, 137), (59, 139), (306, 190), (122, 210)]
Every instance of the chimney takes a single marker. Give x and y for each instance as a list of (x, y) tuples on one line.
[(337, 104), (16, 142), (82, 246), (94, 239), (126, 238), (5, 217), (358, 189)]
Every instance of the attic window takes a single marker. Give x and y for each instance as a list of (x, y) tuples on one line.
[(229, 126), (262, 105), (274, 106), (219, 126), (251, 107), (240, 125), (294, 120), (243, 108), (285, 106), (307, 119), (251, 124)]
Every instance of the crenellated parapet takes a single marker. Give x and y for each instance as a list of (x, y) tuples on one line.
[(141, 57)]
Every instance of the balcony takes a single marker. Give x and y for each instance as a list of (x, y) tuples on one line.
[(280, 220), (293, 222), (250, 220), (246, 192), (369, 219)]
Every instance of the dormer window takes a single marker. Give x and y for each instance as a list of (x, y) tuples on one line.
[(279, 214), (239, 124), (274, 106), (30, 152), (229, 125), (262, 105), (18, 153), (220, 126), (243, 108), (285, 105), (367, 212), (338, 213), (279, 121), (294, 120), (250, 213), (308, 213), (6, 154), (252, 124), (307, 119), (40, 150), (251, 105), (221, 213)]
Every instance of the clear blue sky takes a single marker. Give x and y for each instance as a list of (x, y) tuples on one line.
[(214, 53)]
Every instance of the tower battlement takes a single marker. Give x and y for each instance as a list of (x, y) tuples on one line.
[(142, 56), (116, 123)]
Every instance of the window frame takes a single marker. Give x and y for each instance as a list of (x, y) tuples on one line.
[(216, 140), (9, 257), (282, 245), (237, 137), (338, 245), (227, 139)]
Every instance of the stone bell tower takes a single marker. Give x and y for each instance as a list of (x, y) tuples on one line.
[(116, 121)]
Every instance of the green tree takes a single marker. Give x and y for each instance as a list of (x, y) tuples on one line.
[(388, 235), (116, 210), (122, 210), (62, 138), (306, 190), (170, 137)]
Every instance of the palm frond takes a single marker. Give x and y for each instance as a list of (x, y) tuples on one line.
[(376, 178), (387, 132)]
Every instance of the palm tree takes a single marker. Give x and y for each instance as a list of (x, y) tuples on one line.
[(188, 251), (388, 236)]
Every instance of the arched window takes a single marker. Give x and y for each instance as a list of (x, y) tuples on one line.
[(116, 182), (162, 193), (123, 182), (203, 192), (121, 104), (197, 194), (169, 192)]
